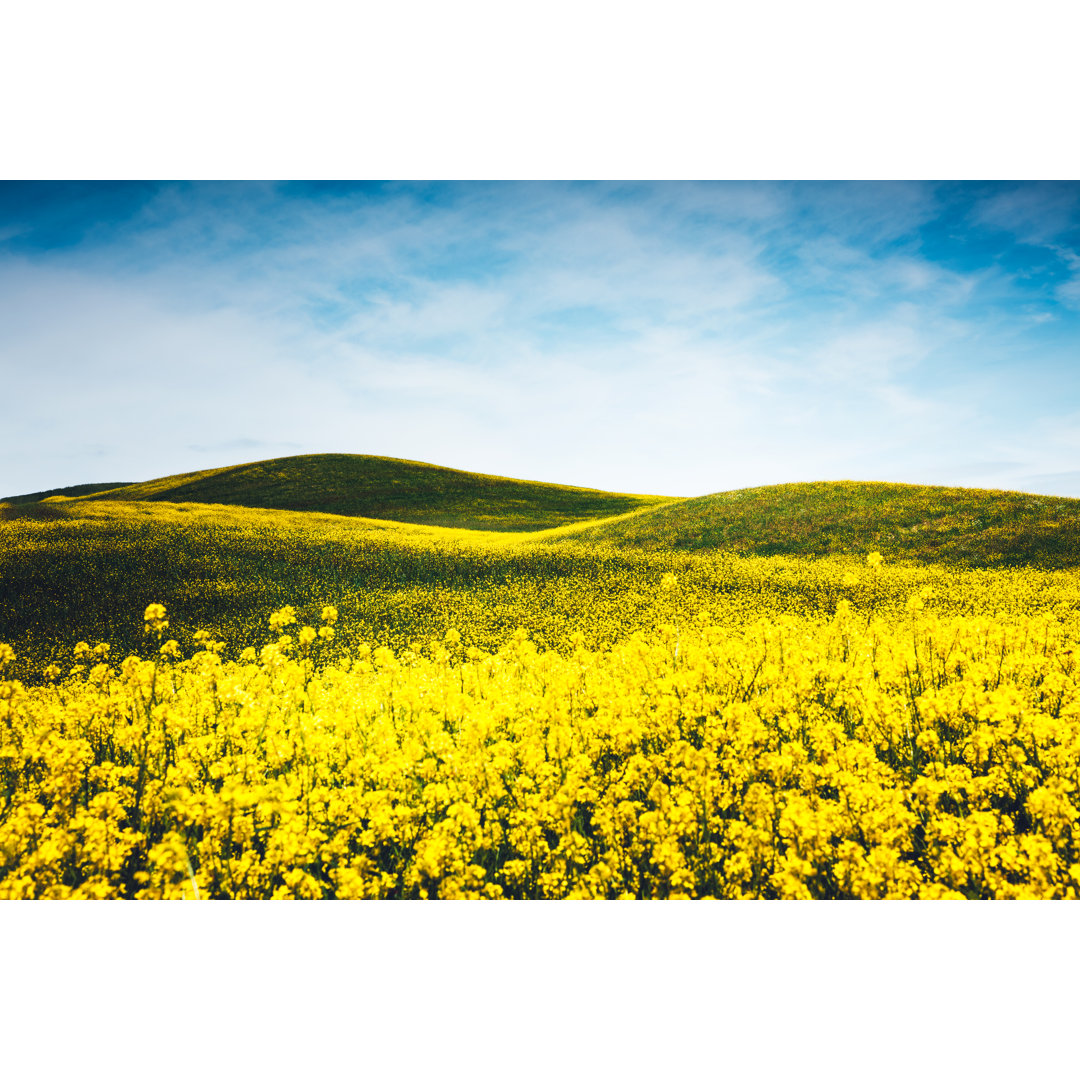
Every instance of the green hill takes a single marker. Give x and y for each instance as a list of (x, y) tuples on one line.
[(360, 485), (967, 526)]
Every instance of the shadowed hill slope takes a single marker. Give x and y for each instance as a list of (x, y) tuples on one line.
[(360, 485), (968, 526), (66, 492)]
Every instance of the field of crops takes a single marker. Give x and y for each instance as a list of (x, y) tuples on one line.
[(228, 702)]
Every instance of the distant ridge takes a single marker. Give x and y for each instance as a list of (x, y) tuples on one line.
[(66, 492), (362, 485), (968, 526)]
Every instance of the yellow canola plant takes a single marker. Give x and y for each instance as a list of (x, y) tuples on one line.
[(921, 755)]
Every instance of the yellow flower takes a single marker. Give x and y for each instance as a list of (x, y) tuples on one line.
[(154, 621), (283, 617)]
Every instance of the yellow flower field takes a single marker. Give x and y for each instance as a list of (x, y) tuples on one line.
[(882, 732)]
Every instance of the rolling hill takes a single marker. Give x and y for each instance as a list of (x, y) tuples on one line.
[(971, 527), (968, 526), (361, 485), (222, 548)]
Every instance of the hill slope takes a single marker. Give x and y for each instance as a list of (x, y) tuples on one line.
[(968, 526), (88, 574), (360, 485)]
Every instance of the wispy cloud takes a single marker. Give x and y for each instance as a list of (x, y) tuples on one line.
[(1045, 216), (677, 338), (244, 444), (1035, 213)]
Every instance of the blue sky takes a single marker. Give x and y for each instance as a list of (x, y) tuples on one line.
[(672, 338)]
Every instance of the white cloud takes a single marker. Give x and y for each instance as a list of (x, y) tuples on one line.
[(1068, 292), (677, 339)]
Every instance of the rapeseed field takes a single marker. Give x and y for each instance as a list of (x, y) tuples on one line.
[(218, 701)]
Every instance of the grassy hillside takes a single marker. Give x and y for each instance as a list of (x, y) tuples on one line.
[(966, 526), (84, 568), (359, 485), (88, 574), (88, 571)]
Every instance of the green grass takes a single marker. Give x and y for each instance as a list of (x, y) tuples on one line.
[(963, 526), (968, 527), (538, 555), (88, 573), (359, 485)]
